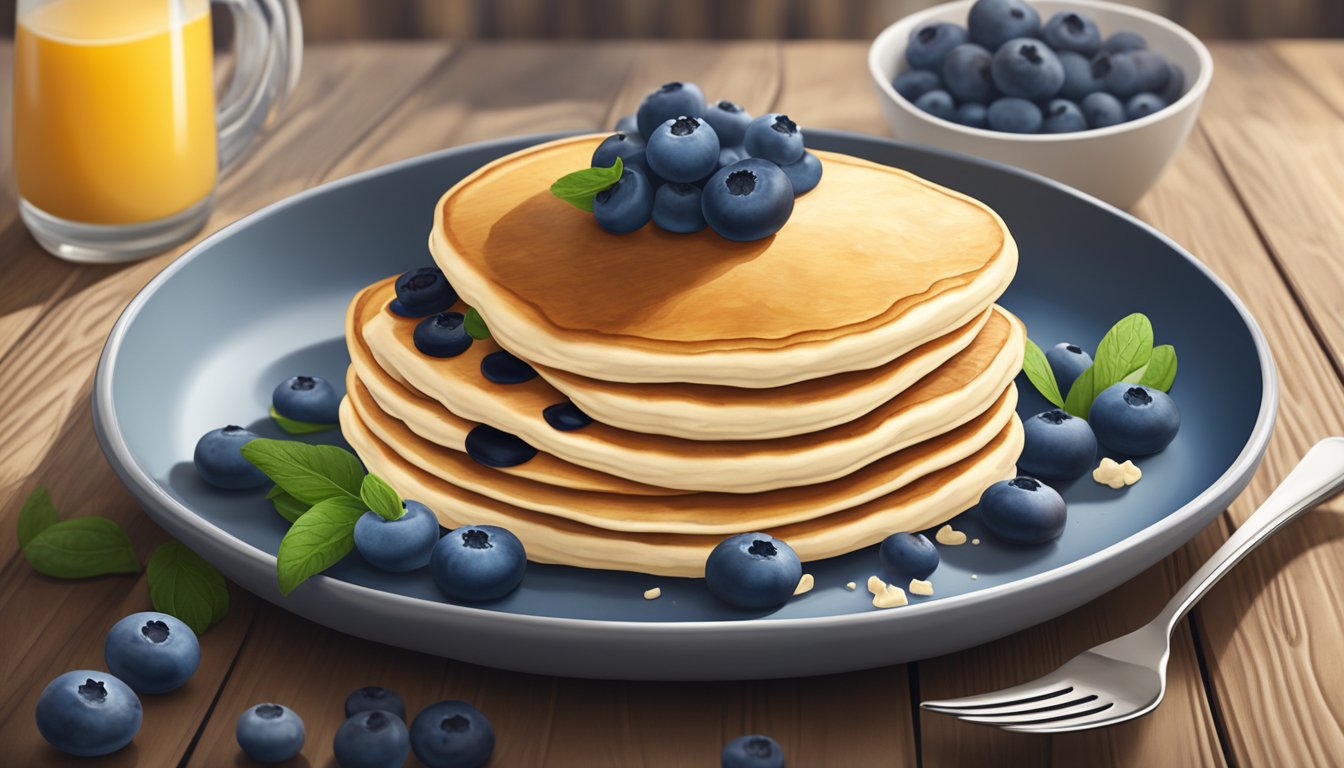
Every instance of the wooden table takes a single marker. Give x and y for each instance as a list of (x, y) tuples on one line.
[(1257, 671)]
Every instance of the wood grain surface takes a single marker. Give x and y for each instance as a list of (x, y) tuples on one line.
[(1256, 673)]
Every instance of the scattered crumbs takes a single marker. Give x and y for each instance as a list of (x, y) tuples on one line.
[(851, 586), (976, 542), (1115, 475), (653, 594), (891, 597), (876, 585), (974, 577), (950, 537), (919, 587), (804, 585)]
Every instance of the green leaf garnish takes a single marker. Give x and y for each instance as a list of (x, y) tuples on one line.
[(1040, 374), (580, 187), (310, 473), (1124, 349), (285, 505), (381, 497), (475, 324), (295, 427), (317, 540), (37, 515), (1160, 373), (81, 548), (183, 584), (1079, 401)]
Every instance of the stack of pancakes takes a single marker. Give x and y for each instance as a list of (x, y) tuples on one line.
[(845, 379)]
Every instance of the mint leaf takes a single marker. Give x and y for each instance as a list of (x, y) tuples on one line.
[(475, 324), (295, 427), (381, 497), (580, 187), (37, 515), (317, 540), (1079, 401), (1124, 349), (183, 584), (81, 548), (1039, 373), (285, 505), (309, 473), (1160, 372)]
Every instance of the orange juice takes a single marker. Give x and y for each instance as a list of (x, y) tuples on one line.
[(114, 108)]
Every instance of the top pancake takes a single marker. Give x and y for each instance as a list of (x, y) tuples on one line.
[(872, 263)]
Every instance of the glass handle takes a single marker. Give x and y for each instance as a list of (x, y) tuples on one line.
[(268, 54)]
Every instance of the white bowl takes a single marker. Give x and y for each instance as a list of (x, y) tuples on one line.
[(1117, 164)]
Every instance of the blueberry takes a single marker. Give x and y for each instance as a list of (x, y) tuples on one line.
[(1175, 88), (774, 137), (929, 43), (1015, 116), (1133, 419), (752, 751), (219, 459), (497, 448), (478, 562), (676, 208), (992, 23), (307, 398), (683, 149), (1080, 76), (939, 104), (805, 174), (748, 200), (88, 713), (669, 102), (1058, 446), (628, 125), (907, 556), (1067, 361), (729, 121), (452, 734), (730, 155), (566, 417), (753, 571), (914, 83), (1122, 42), (625, 206), (619, 144), (372, 739), (1023, 511), (397, 545), (372, 697), (1063, 116), (1027, 69), (968, 74), (443, 335), (1143, 105), (423, 291), (503, 367), (269, 733), (1075, 32), (1136, 72), (973, 115), (152, 652), (1102, 110)]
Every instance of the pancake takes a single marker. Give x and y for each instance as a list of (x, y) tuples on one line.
[(688, 513), (873, 262), (960, 390), (549, 539)]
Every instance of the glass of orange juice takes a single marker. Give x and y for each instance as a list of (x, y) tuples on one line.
[(118, 138)]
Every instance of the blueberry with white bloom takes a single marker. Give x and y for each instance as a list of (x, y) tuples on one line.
[(88, 714), (152, 652)]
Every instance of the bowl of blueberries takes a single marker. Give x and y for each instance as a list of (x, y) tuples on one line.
[(1094, 94)]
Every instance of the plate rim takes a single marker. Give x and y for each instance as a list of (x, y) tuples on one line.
[(138, 481)]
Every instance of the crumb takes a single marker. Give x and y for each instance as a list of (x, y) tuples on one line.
[(876, 585), (919, 587), (851, 586), (653, 594), (975, 542), (804, 584), (974, 577), (1115, 475), (892, 597), (946, 535)]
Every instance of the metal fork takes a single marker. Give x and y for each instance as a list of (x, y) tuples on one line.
[(1127, 677)]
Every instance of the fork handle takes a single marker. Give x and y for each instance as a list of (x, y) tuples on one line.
[(1317, 477)]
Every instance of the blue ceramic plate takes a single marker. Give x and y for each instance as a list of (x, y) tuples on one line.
[(263, 299)]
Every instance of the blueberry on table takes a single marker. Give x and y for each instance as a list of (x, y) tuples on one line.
[(627, 205), (1057, 446), (753, 571), (372, 739), (1067, 362), (968, 74), (683, 149), (1063, 116), (1023, 511), (914, 83), (1123, 42), (619, 144), (269, 733), (452, 734), (400, 545), (422, 292), (669, 102), (478, 562), (972, 115), (307, 398), (1013, 115), (1143, 105), (748, 200), (804, 175), (372, 697), (992, 23), (907, 556), (1134, 420), (628, 125), (443, 335), (729, 121), (1102, 110), (219, 459), (1027, 69), (774, 137), (753, 751), (88, 713), (1067, 31), (930, 43), (1136, 72), (1081, 75), (939, 104), (152, 652), (676, 208)]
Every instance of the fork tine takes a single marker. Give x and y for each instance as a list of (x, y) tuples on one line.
[(1097, 719), (1036, 690), (1079, 707)]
